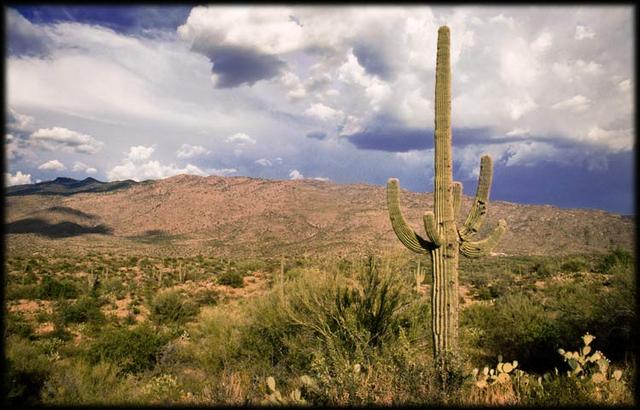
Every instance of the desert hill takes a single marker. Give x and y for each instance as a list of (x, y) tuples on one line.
[(189, 214)]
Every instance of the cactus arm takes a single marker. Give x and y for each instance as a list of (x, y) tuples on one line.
[(430, 229), (457, 195), (479, 208), (403, 231), (483, 247)]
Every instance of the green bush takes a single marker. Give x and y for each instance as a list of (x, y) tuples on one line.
[(516, 326), (51, 288), (79, 383), (15, 291), (577, 264), (132, 349), (544, 269), (86, 309), (170, 307), (231, 278), (617, 258), (27, 369), (17, 325)]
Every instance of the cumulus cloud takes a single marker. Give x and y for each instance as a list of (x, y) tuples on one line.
[(190, 151), (55, 138), (295, 174), (139, 153), (577, 103), (138, 166), (583, 32), (264, 162), (19, 122), (18, 179), (240, 138), (149, 170), (81, 166), (53, 165), (324, 113)]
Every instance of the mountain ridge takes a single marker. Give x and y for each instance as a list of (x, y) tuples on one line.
[(256, 216)]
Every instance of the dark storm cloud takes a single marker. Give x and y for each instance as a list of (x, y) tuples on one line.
[(124, 19), (571, 185), (235, 65), (372, 60), (318, 135), (386, 134), (23, 38)]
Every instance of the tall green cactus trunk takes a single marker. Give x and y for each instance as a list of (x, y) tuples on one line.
[(444, 257), (444, 240)]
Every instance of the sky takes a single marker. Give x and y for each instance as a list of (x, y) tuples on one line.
[(336, 93)]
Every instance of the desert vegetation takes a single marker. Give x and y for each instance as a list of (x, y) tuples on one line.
[(109, 329)]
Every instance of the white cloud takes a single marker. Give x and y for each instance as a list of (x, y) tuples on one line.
[(18, 179), (322, 179), (264, 162), (616, 139), (53, 165), (295, 174), (577, 103), (583, 32), (140, 153), (518, 131), (134, 167), (624, 85), (18, 121), (81, 166), (67, 140), (521, 106), (190, 151), (240, 138), (324, 113), (542, 42), (293, 85), (150, 170), (221, 171)]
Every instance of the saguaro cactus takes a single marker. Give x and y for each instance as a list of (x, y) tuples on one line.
[(443, 239)]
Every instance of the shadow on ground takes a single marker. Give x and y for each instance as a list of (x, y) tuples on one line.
[(64, 229)]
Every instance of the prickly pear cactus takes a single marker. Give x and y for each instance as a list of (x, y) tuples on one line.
[(444, 240)]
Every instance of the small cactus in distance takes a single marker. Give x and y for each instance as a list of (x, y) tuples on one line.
[(444, 240), (419, 275)]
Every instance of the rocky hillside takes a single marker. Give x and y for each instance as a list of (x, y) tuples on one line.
[(248, 216)]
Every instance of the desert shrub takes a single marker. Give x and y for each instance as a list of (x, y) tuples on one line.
[(27, 369), (206, 297), (576, 264), (17, 325), (16, 291), (79, 383), (85, 309), (232, 278), (324, 324), (616, 259), (516, 326), (112, 285), (610, 319), (51, 288), (544, 268), (131, 349), (171, 307)]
